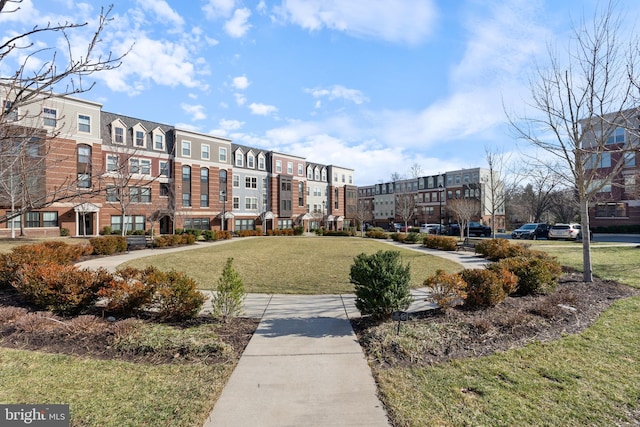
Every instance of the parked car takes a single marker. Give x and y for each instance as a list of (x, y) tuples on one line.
[(453, 230), (431, 228), (531, 231), (477, 229), (564, 231)]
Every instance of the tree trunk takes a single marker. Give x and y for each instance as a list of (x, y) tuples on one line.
[(587, 275)]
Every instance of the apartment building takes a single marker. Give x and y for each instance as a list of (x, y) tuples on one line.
[(613, 170), (109, 170), (423, 200)]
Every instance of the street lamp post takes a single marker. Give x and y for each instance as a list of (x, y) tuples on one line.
[(440, 193), (324, 215)]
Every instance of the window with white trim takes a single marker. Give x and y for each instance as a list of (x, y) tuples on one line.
[(139, 141), (251, 161), (50, 117), (84, 123), (118, 135), (112, 162), (186, 149), (239, 158), (300, 169), (222, 154), (236, 181), (164, 168), (145, 166), (278, 165), (158, 142), (261, 162), (205, 151), (290, 168), (134, 166)]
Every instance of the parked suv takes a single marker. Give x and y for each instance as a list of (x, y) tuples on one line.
[(531, 231), (564, 231), (431, 228)]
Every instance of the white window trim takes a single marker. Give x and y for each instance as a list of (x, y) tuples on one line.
[(89, 117), (222, 152), (182, 147), (207, 151)]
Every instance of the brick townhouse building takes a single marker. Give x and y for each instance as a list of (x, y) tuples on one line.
[(427, 197), (614, 140), (110, 170)]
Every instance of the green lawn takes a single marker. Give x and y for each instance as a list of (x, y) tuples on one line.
[(291, 265), (586, 379)]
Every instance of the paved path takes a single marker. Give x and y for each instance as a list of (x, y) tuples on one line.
[(303, 366)]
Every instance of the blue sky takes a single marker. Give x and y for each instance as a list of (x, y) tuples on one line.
[(375, 85)]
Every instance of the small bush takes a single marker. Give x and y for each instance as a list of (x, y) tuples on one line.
[(298, 231), (194, 232), (536, 274), (412, 238), (227, 302), (108, 245), (63, 289), (176, 296), (381, 284), (223, 235), (64, 232), (377, 234), (497, 249), (127, 291), (344, 233), (209, 235), (444, 243), (447, 290), (486, 288), (106, 230)]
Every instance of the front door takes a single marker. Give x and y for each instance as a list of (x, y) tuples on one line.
[(86, 224)]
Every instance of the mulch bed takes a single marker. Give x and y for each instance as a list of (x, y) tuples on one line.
[(573, 307)]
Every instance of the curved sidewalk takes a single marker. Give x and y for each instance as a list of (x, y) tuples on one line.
[(303, 365)]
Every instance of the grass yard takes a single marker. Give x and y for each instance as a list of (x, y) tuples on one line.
[(290, 265), (619, 263), (586, 379), (113, 393)]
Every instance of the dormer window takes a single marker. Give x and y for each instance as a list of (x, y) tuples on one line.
[(261, 162), (239, 158), (139, 136), (158, 137), (118, 132), (251, 161)]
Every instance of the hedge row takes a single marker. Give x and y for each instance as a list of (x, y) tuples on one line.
[(44, 276), (444, 243), (518, 271)]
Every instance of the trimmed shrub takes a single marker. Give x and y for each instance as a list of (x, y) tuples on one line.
[(64, 232), (412, 238), (108, 245), (381, 284), (298, 231), (209, 235), (176, 296), (444, 243), (447, 290), (106, 230), (247, 233), (194, 232), (486, 288), (127, 291), (536, 274), (63, 289), (497, 249), (376, 234), (223, 235), (227, 301), (344, 233)]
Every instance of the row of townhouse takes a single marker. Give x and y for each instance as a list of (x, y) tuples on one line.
[(109, 170), (427, 197)]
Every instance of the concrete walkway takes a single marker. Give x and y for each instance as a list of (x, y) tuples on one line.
[(303, 366)]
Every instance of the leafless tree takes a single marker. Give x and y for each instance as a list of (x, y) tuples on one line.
[(405, 206), (415, 170), (364, 213), (579, 101), (61, 71), (464, 209), (563, 205), (496, 197)]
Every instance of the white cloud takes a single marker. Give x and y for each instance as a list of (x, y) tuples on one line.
[(141, 66), (262, 109), (219, 8), (339, 92), (241, 82), (163, 11), (400, 21), (238, 25), (240, 99), (231, 124), (197, 111)]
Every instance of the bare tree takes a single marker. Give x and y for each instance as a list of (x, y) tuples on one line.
[(60, 70), (563, 205), (415, 170), (127, 180), (364, 213), (405, 206), (497, 162), (464, 209), (579, 105)]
